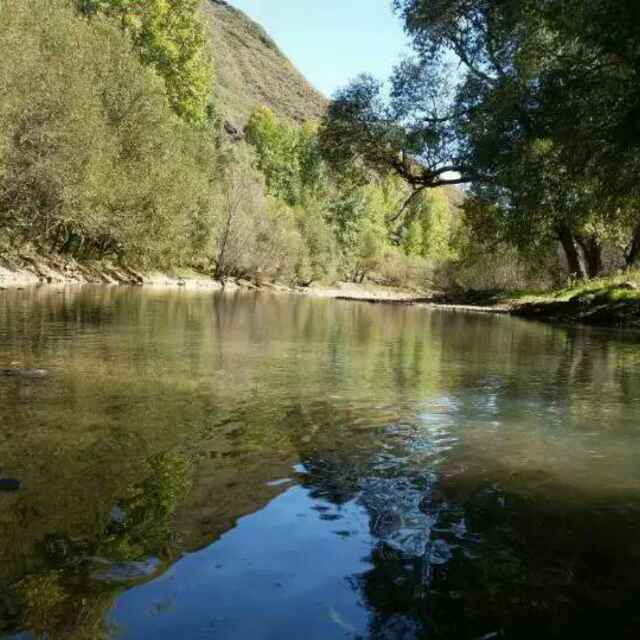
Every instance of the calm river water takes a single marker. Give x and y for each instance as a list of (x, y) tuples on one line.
[(262, 467)]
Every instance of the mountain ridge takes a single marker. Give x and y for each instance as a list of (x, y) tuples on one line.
[(252, 71)]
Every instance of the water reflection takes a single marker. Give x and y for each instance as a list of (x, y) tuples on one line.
[(329, 469)]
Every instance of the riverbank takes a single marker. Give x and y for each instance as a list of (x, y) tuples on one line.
[(610, 302), (28, 268), (613, 301)]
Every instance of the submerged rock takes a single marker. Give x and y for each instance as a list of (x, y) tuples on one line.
[(23, 373), (9, 484), (121, 572), (118, 515)]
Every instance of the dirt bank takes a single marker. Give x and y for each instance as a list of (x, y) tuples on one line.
[(613, 302), (27, 268), (614, 305)]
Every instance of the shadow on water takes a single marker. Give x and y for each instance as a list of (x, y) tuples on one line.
[(252, 466), (463, 553)]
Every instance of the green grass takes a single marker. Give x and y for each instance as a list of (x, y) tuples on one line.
[(613, 289)]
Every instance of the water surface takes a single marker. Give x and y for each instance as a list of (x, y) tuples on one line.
[(261, 467)]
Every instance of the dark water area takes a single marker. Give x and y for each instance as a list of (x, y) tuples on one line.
[(252, 466)]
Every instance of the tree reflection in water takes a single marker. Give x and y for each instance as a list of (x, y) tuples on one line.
[(493, 464), (71, 594), (455, 555)]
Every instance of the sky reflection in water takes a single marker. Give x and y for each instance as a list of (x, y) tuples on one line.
[(317, 469)]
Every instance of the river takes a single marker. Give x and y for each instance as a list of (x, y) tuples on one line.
[(273, 467)]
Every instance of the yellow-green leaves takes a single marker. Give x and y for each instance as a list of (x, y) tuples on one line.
[(169, 36), (277, 146), (93, 162)]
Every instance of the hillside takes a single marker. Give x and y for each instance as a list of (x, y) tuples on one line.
[(251, 70)]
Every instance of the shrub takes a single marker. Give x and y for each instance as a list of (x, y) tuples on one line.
[(93, 161), (257, 237)]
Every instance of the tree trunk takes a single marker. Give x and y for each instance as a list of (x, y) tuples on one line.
[(575, 263), (592, 251), (633, 252), (220, 262)]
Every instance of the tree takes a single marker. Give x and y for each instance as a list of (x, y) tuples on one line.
[(258, 236), (525, 101), (277, 152), (93, 162), (288, 156), (241, 197), (169, 36), (362, 127)]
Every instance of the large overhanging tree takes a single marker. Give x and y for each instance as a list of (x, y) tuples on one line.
[(526, 101)]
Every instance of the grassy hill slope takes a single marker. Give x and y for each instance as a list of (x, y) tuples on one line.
[(252, 71)]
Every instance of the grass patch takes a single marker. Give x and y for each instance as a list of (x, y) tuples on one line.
[(622, 287)]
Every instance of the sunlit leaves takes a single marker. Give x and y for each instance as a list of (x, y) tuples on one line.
[(170, 36)]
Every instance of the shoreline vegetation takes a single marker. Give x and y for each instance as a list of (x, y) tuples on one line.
[(607, 302), (135, 148)]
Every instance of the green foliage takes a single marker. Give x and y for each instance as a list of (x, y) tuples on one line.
[(57, 609), (41, 598), (93, 162), (257, 237), (328, 214), (170, 36), (276, 146), (439, 226), (540, 118), (320, 258), (288, 157), (100, 158), (57, 604), (352, 221), (396, 269), (148, 507)]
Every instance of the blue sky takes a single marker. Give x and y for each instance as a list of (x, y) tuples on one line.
[(332, 41)]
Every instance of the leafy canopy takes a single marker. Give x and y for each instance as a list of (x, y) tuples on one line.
[(93, 162), (170, 36), (534, 104)]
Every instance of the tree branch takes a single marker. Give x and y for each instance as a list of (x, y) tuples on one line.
[(458, 49), (407, 203)]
